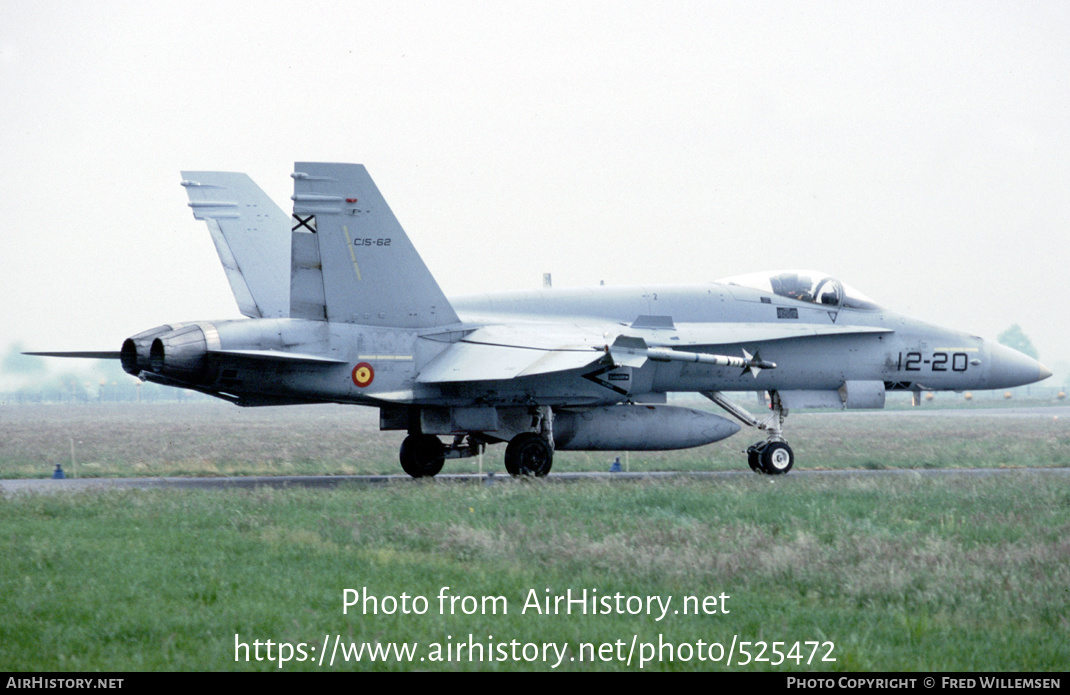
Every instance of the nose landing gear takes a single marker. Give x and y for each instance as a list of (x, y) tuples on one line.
[(772, 456)]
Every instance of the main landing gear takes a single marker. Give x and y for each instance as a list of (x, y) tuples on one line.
[(532, 453), (529, 454), (422, 455), (772, 456)]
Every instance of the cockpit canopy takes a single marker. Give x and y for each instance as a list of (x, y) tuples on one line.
[(805, 286)]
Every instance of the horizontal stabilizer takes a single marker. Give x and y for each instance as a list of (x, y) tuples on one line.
[(81, 355)]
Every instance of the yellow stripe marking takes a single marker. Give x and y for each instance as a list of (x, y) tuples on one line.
[(352, 253)]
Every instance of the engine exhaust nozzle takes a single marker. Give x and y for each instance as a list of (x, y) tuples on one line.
[(181, 355), (134, 355)]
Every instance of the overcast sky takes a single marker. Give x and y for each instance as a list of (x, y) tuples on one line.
[(918, 151)]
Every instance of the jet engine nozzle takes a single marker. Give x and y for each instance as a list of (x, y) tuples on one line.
[(134, 356), (181, 355)]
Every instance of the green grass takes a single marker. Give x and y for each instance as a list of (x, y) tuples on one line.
[(907, 572), (957, 573)]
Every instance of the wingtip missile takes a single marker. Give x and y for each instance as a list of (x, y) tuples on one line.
[(755, 364)]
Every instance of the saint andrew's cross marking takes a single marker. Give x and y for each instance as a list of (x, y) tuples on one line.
[(308, 223)]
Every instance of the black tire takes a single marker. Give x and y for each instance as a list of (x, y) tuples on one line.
[(528, 454), (754, 457), (422, 455), (777, 458)]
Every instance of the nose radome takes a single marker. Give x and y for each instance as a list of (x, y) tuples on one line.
[(1008, 368)]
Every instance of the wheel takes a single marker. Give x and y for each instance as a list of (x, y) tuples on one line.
[(754, 457), (528, 454), (777, 458), (422, 455)]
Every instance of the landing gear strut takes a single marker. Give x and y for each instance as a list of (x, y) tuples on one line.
[(529, 453), (422, 455), (772, 456)]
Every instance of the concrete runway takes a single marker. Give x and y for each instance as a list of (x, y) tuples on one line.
[(49, 486)]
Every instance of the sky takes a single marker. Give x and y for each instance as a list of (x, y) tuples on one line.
[(919, 152)]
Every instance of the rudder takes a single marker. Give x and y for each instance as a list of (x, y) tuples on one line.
[(351, 260)]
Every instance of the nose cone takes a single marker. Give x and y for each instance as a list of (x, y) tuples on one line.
[(1008, 368)]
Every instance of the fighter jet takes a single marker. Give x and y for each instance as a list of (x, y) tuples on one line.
[(342, 309)]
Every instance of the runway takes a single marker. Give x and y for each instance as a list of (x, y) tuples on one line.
[(1047, 412), (69, 485)]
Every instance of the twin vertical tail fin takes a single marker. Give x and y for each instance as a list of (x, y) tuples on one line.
[(345, 254), (249, 231), (351, 261)]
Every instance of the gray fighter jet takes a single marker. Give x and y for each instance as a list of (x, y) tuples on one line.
[(362, 321)]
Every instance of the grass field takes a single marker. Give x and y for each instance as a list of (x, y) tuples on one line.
[(209, 438), (905, 572)]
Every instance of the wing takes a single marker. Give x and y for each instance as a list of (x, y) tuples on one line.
[(507, 352)]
